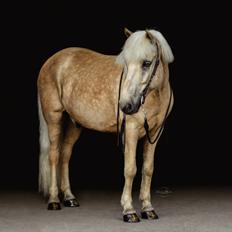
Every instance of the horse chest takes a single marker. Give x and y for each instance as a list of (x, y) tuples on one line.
[(155, 116)]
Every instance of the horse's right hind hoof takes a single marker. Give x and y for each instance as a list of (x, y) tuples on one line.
[(54, 206), (131, 218)]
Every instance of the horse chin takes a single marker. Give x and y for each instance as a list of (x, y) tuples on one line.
[(131, 113), (137, 108)]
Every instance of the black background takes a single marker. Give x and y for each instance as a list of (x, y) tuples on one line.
[(195, 146)]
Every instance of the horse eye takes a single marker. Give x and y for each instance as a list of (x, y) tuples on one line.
[(146, 64)]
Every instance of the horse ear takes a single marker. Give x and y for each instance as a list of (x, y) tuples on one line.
[(149, 36), (127, 32)]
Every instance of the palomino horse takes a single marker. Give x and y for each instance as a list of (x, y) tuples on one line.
[(98, 91)]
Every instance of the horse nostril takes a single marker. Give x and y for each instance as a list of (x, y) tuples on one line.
[(128, 108)]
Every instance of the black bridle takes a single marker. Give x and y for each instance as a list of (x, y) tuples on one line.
[(121, 136), (144, 94)]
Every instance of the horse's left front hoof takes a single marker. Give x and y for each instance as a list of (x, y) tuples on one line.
[(149, 215), (131, 218), (71, 203)]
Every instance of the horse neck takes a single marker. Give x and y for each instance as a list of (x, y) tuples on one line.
[(163, 75)]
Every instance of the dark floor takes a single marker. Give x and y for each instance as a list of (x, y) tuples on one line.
[(189, 209)]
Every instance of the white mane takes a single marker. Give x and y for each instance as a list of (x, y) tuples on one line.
[(138, 46), (165, 48)]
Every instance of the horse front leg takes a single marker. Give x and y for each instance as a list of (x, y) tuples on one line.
[(147, 211), (129, 214)]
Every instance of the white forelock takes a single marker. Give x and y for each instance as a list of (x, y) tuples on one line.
[(136, 47)]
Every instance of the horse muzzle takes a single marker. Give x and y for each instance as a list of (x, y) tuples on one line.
[(130, 107)]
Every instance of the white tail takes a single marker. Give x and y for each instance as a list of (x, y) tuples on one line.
[(44, 167)]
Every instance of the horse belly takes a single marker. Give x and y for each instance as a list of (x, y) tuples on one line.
[(94, 115)]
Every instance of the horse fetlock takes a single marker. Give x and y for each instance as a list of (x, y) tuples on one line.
[(128, 210), (147, 206), (53, 198), (127, 207), (67, 194)]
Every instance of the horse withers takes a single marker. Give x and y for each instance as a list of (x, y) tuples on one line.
[(98, 92)]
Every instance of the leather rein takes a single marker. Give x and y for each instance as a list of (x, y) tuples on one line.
[(121, 136)]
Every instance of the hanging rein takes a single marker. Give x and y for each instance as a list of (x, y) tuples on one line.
[(121, 136)]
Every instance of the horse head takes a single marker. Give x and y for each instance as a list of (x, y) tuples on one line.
[(140, 58)]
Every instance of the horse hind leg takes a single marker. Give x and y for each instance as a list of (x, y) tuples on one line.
[(50, 115), (71, 135), (55, 133)]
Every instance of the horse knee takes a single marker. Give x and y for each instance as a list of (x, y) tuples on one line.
[(130, 172), (148, 171)]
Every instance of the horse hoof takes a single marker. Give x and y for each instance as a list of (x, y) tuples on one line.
[(54, 206), (131, 218), (149, 215), (71, 203)]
